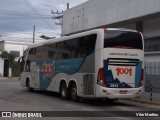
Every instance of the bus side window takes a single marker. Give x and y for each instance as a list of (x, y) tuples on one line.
[(22, 64), (28, 64)]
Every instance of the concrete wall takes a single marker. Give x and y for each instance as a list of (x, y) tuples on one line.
[(1, 45), (151, 27), (1, 67), (97, 13), (14, 47)]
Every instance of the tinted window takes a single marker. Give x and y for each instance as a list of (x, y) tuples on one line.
[(86, 45), (32, 51), (123, 39), (152, 44), (69, 49), (77, 47)]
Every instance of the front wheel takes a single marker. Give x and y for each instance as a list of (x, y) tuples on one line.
[(73, 93)]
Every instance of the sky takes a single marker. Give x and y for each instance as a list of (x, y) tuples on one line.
[(17, 18)]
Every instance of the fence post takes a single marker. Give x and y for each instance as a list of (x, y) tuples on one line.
[(150, 92)]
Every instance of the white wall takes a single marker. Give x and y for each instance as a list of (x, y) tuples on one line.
[(11, 47), (96, 13), (1, 67), (14, 47)]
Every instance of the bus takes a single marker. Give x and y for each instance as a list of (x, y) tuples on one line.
[(100, 64)]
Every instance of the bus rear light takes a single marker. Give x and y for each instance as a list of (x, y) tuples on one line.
[(106, 92), (142, 74), (105, 29), (100, 78), (142, 78), (139, 92)]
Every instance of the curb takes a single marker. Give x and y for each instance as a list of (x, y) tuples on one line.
[(144, 101), (4, 78)]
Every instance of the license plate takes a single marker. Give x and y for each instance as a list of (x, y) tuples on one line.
[(123, 92)]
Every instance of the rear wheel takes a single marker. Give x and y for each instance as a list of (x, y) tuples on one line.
[(63, 91), (73, 93), (28, 86)]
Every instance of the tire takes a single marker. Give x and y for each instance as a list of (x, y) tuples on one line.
[(73, 93), (29, 87), (63, 91)]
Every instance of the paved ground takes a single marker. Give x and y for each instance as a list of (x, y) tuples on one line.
[(147, 96), (13, 97)]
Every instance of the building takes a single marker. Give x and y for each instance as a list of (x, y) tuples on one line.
[(141, 15), (1, 60), (17, 50)]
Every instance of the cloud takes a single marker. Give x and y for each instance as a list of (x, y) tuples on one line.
[(10, 27)]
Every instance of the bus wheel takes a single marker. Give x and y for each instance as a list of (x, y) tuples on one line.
[(63, 91), (73, 93), (28, 86)]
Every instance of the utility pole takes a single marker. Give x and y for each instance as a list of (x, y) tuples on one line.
[(67, 6), (33, 33), (59, 16)]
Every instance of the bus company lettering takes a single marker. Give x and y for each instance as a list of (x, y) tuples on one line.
[(124, 71), (123, 54), (48, 70)]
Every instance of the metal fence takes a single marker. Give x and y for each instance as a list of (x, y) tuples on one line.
[(152, 77)]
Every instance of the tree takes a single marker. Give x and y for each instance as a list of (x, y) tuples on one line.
[(6, 55), (46, 37), (12, 63)]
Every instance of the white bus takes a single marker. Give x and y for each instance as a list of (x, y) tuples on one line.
[(101, 63)]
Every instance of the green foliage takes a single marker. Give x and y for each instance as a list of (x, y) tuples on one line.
[(46, 37), (12, 63), (6, 55), (16, 69)]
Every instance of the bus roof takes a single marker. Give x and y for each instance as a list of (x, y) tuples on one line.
[(54, 40)]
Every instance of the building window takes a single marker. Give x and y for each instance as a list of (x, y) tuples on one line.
[(152, 44), (15, 53)]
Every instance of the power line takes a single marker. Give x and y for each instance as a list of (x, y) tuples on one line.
[(13, 26), (50, 5), (25, 40), (25, 18), (9, 29), (41, 16), (63, 2), (18, 13), (22, 28), (19, 37)]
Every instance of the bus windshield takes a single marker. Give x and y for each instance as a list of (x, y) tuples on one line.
[(122, 39)]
